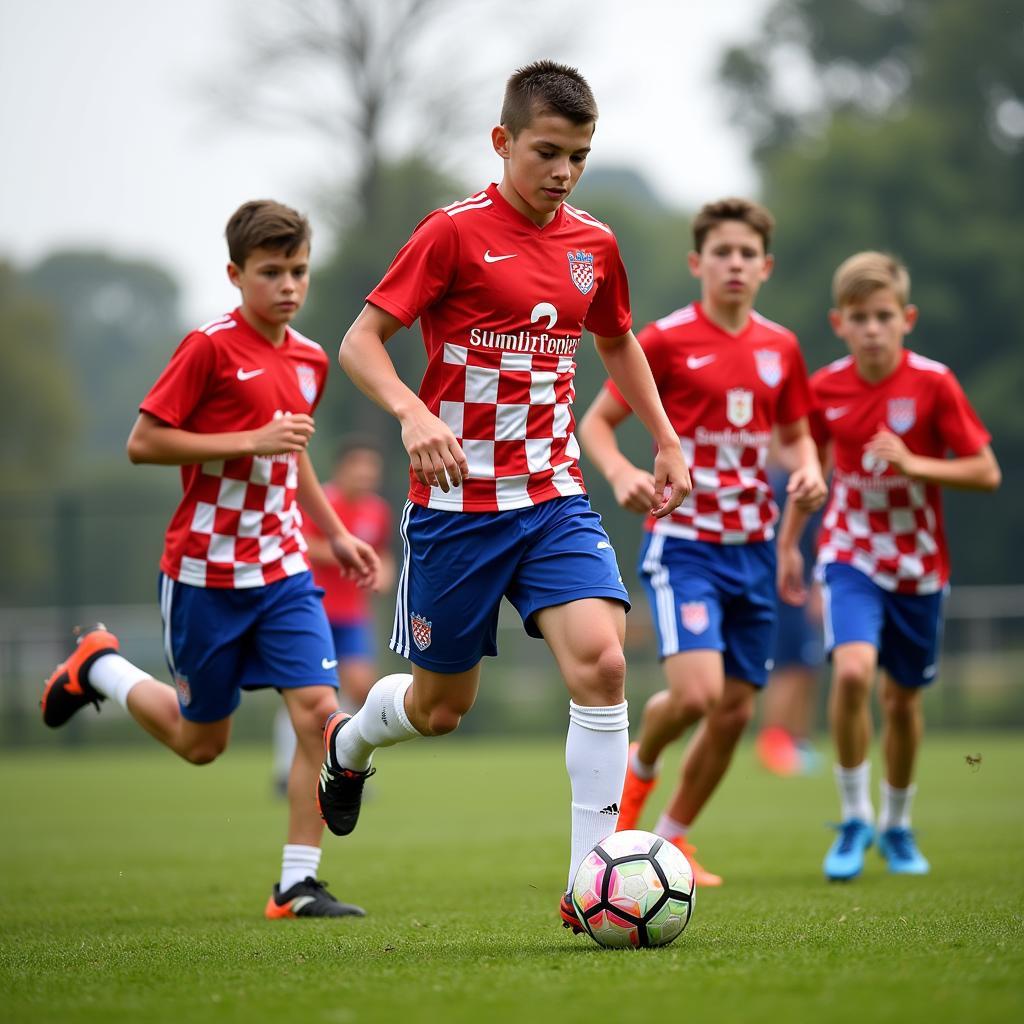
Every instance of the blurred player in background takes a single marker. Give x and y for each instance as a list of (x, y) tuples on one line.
[(887, 418), (728, 377), (784, 743), (233, 408), (503, 284), (353, 494)]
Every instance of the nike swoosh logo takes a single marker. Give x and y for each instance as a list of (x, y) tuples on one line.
[(327, 663), (696, 362), (488, 258), (602, 544), (248, 374), (834, 413)]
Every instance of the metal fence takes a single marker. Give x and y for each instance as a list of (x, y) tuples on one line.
[(980, 682)]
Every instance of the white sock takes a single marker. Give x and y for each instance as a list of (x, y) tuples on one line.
[(895, 812), (115, 676), (641, 769), (381, 722), (284, 744), (596, 750), (298, 864), (668, 828), (854, 792)]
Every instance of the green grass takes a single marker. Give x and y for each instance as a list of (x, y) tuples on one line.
[(134, 886)]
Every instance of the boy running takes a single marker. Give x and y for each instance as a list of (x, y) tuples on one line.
[(887, 417), (728, 377), (240, 612), (503, 284)]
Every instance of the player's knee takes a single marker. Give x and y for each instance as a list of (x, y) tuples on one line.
[(733, 717), (693, 704), (852, 677), (899, 706), (443, 720), (606, 676), (204, 752)]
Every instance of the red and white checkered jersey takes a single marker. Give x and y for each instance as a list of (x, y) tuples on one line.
[(502, 304), (723, 394), (877, 520), (238, 524)]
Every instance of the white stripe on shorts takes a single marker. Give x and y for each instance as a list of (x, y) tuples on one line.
[(166, 602), (664, 599), (400, 629)]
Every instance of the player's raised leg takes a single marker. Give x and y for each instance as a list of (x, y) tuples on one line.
[(95, 672), (586, 638), (398, 708)]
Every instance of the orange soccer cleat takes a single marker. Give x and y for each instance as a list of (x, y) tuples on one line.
[(68, 690), (701, 875), (570, 919), (308, 898), (635, 792), (777, 751)]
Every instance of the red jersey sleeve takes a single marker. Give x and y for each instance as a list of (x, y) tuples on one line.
[(816, 416), (422, 271), (609, 314), (795, 396), (958, 424), (183, 383), (652, 341)]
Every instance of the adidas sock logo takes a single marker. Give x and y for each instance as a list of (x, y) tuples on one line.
[(612, 808)]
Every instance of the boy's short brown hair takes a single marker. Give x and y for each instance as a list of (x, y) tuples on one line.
[(265, 224), (865, 273), (746, 211), (546, 87)]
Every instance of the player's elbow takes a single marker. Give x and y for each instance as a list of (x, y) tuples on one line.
[(993, 477), (136, 449)]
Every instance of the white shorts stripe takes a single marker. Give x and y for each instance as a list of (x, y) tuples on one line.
[(826, 617), (166, 602), (665, 604), (400, 628)]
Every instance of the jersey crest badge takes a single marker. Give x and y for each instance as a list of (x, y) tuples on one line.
[(581, 270), (307, 382), (739, 406), (695, 616), (769, 366), (902, 414), (420, 631)]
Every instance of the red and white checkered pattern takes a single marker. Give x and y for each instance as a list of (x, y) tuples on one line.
[(885, 527), (238, 524), (502, 315), (723, 394), (879, 521)]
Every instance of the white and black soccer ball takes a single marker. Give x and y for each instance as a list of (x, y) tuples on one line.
[(634, 889)]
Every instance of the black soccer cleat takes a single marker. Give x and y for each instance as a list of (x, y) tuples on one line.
[(339, 793), (308, 898), (68, 689)]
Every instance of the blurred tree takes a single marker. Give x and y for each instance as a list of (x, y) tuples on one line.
[(899, 125), (118, 322)]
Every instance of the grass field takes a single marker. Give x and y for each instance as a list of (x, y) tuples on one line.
[(134, 889)]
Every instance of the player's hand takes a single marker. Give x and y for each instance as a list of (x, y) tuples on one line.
[(358, 560), (890, 447), (436, 458), (806, 487), (633, 488), (671, 481), (286, 432), (789, 575)]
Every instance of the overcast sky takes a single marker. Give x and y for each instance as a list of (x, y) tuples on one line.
[(109, 141)]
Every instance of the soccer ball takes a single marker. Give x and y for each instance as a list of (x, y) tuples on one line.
[(634, 889)]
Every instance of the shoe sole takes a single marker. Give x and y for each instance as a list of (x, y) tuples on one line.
[(329, 734)]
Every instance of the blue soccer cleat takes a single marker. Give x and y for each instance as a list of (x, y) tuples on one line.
[(845, 857), (900, 851)]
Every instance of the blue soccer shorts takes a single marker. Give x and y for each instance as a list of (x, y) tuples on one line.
[(457, 566), (218, 642), (718, 597), (905, 629), (353, 641), (798, 642)]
